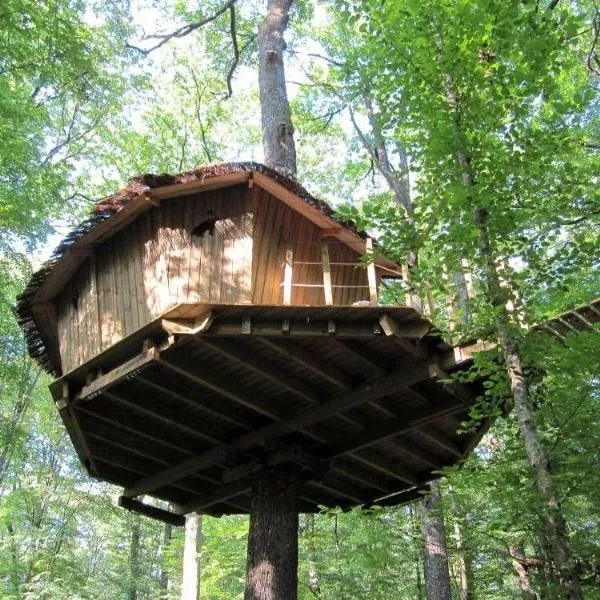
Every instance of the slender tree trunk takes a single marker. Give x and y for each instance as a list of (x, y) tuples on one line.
[(519, 565), (437, 573), (164, 574), (540, 466), (277, 127), (464, 560), (134, 556), (272, 567), (189, 580), (313, 576)]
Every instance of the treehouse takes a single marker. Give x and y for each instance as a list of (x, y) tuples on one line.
[(206, 327)]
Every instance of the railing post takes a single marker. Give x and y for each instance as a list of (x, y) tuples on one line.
[(371, 273), (327, 289), (287, 273)]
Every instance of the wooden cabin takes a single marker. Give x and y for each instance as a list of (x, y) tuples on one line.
[(236, 237), (205, 326)]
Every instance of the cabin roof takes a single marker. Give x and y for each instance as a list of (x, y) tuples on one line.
[(114, 212)]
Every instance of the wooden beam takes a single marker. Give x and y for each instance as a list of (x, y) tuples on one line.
[(371, 272), (260, 366), (162, 412), (327, 289), (386, 466), (129, 368), (406, 329), (222, 493), (222, 385), (307, 360), (153, 512), (396, 333), (294, 201), (289, 328), (343, 402), (217, 408), (441, 439), (393, 428), (370, 362), (188, 326), (418, 452), (168, 476)]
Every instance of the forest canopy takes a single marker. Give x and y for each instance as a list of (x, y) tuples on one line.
[(463, 134)]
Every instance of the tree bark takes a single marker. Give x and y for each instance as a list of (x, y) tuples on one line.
[(437, 573), (517, 556), (134, 556), (463, 556), (278, 130), (272, 566), (189, 580)]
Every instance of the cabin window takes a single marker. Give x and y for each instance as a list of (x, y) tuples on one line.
[(207, 227)]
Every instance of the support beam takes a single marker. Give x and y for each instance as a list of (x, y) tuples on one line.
[(252, 362), (342, 402), (308, 361), (442, 440), (217, 408), (185, 367), (151, 511)]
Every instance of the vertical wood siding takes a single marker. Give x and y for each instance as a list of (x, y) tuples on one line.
[(155, 263), (274, 225)]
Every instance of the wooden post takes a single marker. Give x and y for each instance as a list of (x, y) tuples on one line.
[(287, 273), (371, 273), (272, 565), (328, 290)]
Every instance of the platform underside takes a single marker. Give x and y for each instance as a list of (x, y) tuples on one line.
[(348, 398)]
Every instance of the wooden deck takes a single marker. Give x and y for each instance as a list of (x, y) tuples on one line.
[(350, 398)]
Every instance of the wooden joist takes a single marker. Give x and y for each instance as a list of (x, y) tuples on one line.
[(365, 393), (160, 514)]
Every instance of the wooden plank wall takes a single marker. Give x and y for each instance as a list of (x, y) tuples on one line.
[(276, 223), (153, 264)]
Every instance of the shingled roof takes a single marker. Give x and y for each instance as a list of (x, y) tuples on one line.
[(111, 205)]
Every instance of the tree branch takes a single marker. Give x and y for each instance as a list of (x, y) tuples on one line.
[(182, 31)]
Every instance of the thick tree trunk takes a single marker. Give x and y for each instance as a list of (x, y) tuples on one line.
[(278, 131), (437, 573), (190, 578), (519, 565), (272, 567), (540, 466)]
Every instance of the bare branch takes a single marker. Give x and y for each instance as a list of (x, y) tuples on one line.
[(182, 31), (198, 104), (236, 51)]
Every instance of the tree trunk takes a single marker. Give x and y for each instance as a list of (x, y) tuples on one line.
[(134, 556), (437, 574), (277, 128), (313, 576), (189, 580), (272, 567), (517, 556), (164, 574), (509, 343)]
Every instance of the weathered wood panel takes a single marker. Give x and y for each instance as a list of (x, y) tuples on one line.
[(155, 263)]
